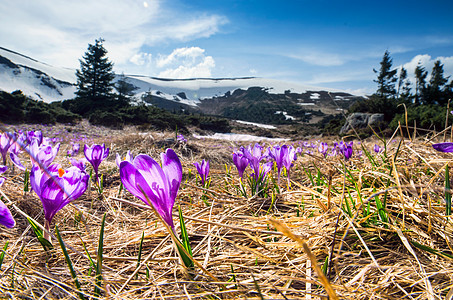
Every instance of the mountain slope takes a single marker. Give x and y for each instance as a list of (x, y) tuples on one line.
[(35, 79), (250, 99)]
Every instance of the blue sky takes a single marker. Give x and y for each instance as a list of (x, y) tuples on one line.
[(323, 43)]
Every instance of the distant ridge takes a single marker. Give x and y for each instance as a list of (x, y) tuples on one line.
[(220, 96)]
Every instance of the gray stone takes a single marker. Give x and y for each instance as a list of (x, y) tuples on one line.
[(360, 120)]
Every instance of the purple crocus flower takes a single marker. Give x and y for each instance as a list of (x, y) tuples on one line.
[(95, 155), (74, 150), (376, 148), (34, 136), (39, 154), (153, 184), (56, 187), (254, 156), (180, 138), (345, 148), (5, 143), (322, 148), (278, 154), (240, 161), (44, 154), (2, 170), (443, 147), (203, 170), (19, 141), (129, 158), (78, 163), (291, 155), (6, 218)]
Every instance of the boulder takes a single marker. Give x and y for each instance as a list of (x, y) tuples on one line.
[(360, 120)]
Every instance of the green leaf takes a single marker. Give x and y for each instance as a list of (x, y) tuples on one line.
[(2, 255), (69, 262), (26, 180), (39, 234), (140, 252), (381, 210), (92, 264), (185, 242), (98, 278), (447, 192), (431, 250), (325, 265)]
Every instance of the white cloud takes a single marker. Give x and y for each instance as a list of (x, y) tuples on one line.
[(188, 62), (58, 32), (428, 62), (319, 58), (187, 53), (141, 59), (341, 76)]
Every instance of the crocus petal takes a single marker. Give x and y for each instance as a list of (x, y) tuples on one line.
[(3, 169), (6, 218), (150, 182), (151, 171), (52, 198), (241, 162), (443, 147), (128, 175), (118, 160), (15, 159), (56, 190), (171, 165)]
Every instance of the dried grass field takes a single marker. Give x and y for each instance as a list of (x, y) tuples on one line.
[(371, 227)]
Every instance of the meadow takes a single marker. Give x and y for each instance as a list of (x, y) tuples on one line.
[(363, 220)]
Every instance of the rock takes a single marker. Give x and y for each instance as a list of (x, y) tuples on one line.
[(360, 120)]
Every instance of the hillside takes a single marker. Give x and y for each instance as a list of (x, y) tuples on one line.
[(249, 99), (375, 226)]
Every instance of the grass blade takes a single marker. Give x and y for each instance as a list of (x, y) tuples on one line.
[(92, 264), (69, 262), (40, 235), (185, 242), (98, 278), (447, 192), (381, 210), (140, 253), (431, 250), (2, 255)]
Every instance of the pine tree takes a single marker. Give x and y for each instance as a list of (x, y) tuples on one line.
[(404, 89), (435, 89), (420, 84), (124, 89), (386, 77), (95, 77)]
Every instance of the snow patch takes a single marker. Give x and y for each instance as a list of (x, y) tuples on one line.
[(287, 117), (235, 137), (315, 96), (257, 124)]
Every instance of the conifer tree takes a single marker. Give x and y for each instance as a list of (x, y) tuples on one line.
[(386, 77), (95, 77), (420, 84), (125, 89), (404, 89), (435, 89)]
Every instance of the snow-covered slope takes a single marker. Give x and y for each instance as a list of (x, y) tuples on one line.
[(203, 88), (49, 83), (35, 79)]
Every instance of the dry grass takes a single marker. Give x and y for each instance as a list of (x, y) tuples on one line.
[(272, 250)]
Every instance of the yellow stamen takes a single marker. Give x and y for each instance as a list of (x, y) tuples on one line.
[(61, 172)]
